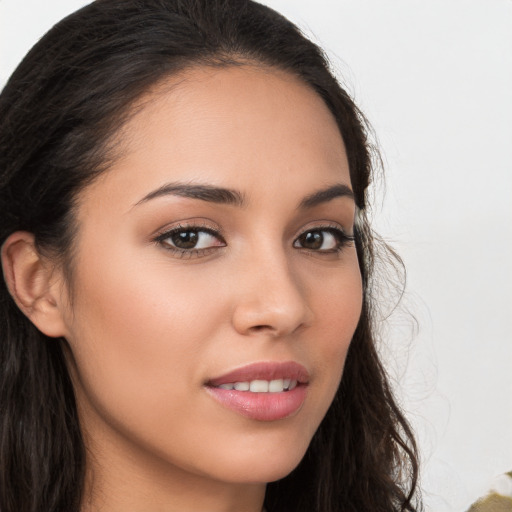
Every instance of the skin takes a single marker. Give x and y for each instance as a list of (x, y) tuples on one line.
[(147, 326)]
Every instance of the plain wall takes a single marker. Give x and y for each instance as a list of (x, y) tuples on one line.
[(435, 79)]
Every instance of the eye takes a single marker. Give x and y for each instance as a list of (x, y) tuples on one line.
[(191, 241), (327, 240)]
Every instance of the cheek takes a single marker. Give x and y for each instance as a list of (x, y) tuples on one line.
[(337, 305), (132, 338), (138, 346), (337, 302)]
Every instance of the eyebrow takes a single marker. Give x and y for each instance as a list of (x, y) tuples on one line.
[(220, 195), (325, 195), (209, 193)]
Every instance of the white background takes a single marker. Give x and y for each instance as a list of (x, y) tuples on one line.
[(435, 79)]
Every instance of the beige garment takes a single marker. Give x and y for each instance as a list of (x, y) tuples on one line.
[(499, 498)]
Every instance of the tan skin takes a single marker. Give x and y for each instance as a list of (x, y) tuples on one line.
[(149, 322)]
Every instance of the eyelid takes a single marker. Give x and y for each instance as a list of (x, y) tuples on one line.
[(193, 225), (162, 236), (168, 231), (329, 226), (325, 225)]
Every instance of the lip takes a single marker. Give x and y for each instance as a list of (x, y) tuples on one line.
[(262, 406), (264, 371)]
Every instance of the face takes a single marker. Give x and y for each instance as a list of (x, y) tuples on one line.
[(216, 286)]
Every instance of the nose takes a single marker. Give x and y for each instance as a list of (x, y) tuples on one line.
[(271, 299)]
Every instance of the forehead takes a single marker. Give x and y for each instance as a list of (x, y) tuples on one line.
[(233, 126)]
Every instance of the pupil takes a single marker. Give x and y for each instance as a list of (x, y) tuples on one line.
[(312, 240), (185, 239)]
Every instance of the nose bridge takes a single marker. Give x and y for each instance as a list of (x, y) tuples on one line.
[(272, 295)]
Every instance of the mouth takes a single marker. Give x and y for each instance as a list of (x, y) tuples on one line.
[(262, 386), (265, 391)]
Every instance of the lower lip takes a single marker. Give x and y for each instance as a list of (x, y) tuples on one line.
[(261, 406)]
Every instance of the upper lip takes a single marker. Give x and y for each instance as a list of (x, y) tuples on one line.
[(266, 370)]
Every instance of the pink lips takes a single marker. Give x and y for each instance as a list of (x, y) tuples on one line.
[(263, 406)]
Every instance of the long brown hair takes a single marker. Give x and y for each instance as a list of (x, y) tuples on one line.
[(59, 113)]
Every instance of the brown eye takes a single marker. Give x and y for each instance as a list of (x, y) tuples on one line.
[(323, 240), (311, 240), (185, 239)]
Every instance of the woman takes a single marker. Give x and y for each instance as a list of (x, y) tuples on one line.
[(187, 272)]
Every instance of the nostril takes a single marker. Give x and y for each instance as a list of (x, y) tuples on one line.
[(261, 327)]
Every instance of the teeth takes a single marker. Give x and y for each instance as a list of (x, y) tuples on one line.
[(259, 386), (242, 386), (262, 386), (276, 386)]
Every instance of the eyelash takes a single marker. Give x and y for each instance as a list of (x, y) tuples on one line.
[(341, 238), (193, 252)]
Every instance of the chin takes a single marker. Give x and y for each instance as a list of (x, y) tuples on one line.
[(262, 463)]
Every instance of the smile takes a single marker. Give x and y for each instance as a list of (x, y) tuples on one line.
[(262, 386), (262, 391)]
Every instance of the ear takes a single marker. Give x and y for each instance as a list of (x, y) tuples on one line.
[(34, 284)]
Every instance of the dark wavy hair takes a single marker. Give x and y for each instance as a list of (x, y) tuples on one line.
[(59, 114)]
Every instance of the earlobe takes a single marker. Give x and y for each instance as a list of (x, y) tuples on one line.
[(33, 284)]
